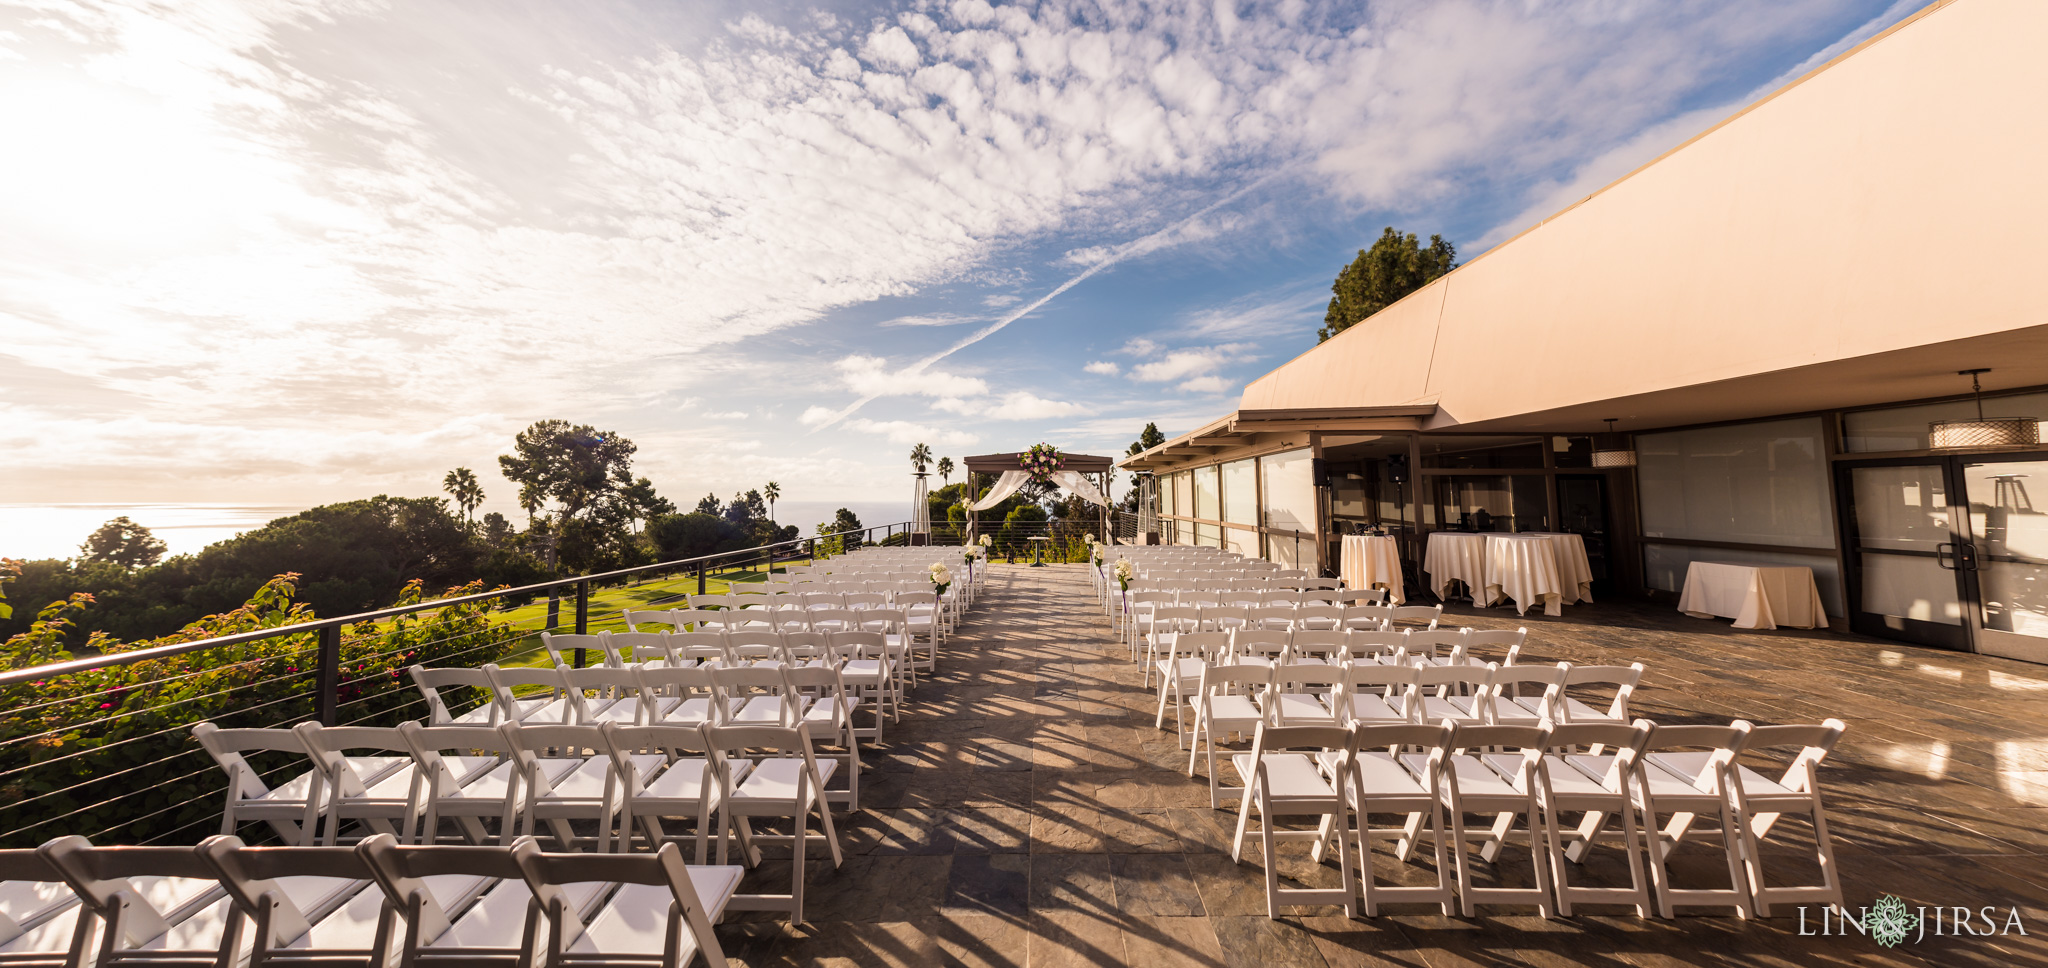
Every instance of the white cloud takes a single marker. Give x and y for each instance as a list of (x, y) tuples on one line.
[(933, 319), (1264, 315), (905, 432), (725, 415), (1016, 405), (1139, 347), (1206, 384), (1192, 369), (871, 376), (1000, 300), (1103, 368)]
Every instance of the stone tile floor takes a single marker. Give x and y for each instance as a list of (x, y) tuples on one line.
[(1025, 812)]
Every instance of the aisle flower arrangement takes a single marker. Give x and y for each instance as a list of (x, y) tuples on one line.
[(942, 578), (1042, 461), (985, 541), (1123, 573)]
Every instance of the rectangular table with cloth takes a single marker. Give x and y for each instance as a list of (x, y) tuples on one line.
[(1372, 560), (1755, 596)]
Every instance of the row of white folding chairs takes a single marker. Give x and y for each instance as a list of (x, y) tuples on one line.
[(1232, 697), (71, 904), (1619, 779), (1268, 645), (825, 688), (1154, 617), (920, 631), (406, 781), (919, 597)]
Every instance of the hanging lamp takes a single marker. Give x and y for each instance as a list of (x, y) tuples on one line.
[(1983, 431), (1613, 449)]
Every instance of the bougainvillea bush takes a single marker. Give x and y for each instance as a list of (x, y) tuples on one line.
[(109, 753)]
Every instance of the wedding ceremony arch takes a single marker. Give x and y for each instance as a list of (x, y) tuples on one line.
[(1084, 475)]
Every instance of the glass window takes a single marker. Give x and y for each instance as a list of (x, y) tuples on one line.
[(1183, 495), (1479, 452), (1664, 567), (1758, 483), (1290, 491), (1571, 451), (1286, 551), (1240, 493), (1491, 502), (1905, 428), (1242, 541), (1207, 506), (1209, 534)]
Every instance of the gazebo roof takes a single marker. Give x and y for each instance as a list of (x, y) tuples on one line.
[(998, 463)]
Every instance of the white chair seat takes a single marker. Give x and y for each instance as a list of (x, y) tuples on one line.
[(1374, 708), (1475, 779), (1234, 708), (1686, 765), (354, 925), (585, 780), (636, 921), (823, 712), (684, 779), (765, 709), (1187, 669), (1436, 709), (775, 780), (498, 919), (1291, 776), (1297, 706), (1383, 777)]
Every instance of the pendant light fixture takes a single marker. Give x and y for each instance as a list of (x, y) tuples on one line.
[(1983, 431), (1613, 449)]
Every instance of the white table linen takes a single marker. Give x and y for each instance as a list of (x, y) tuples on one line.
[(1755, 596), (1455, 556), (1574, 569), (1371, 561), (1523, 568)]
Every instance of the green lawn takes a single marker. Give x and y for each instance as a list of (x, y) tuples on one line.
[(607, 607)]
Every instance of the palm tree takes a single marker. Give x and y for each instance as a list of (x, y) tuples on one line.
[(462, 485), (921, 457), (945, 471), (771, 492)]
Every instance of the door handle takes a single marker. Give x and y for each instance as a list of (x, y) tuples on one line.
[(1944, 555), (1966, 556)]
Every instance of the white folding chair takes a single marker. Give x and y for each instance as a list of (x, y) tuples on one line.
[(293, 807), (759, 695), (1761, 802), (1375, 694), (1505, 703), (440, 710), (377, 800), (1417, 614), (1504, 785), (1261, 647), (562, 647), (1226, 702), (660, 915), (1161, 626), (266, 885), (1381, 784), (1457, 693), (1685, 771), (831, 703), (1296, 696), (1623, 679), (1180, 667), (1284, 781), (42, 925), (636, 617), (622, 649), (787, 782), (1600, 796), (550, 706), (465, 787), (564, 776), (867, 667), (693, 781)]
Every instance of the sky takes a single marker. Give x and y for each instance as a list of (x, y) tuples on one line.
[(287, 252)]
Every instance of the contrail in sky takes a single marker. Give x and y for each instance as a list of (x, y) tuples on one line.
[(1128, 249)]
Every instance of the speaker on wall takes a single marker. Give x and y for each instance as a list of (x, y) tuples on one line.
[(1397, 468), (1320, 470)]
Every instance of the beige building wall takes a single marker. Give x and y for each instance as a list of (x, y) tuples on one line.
[(1892, 199)]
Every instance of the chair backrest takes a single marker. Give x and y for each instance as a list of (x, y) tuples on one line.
[(1367, 644), (1813, 741), (698, 619), (1363, 616), (1625, 740), (743, 682), (226, 746), (1321, 615), (1722, 743), (1223, 618), (100, 878), (1529, 741), (1209, 646), (327, 746), (1320, 584), (1624, 679), (1273, 617), (1362, 596), (401, 872), (636, 617), (860, 600), (1289, 675), (1417, 614), (682, 681), (430, 682), (805, 646), (755, 645), (561, 646), (1510, 682), (884, 620), (868, 644), (825, 599), (624, 648), (249, 874), (546, 874), (1175, 618), (697, 645), (1475, 679), (505, 678), (834, 619), (429, 742), (1432, 738), (619, 681), (1151, 598), (1434, 642), (1327, 644), (1220, 678), (1271, 643)]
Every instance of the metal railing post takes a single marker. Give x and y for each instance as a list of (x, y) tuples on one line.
[(700, 578), (554, 608), (582, 616), (327, 682)]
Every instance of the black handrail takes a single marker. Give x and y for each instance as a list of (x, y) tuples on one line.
[(330, 628)]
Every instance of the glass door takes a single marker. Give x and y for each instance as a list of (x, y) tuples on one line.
[(2008, 565), (1582, 510), (1907, 578)]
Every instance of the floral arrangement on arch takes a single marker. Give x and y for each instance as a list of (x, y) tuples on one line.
[(1042, 461)]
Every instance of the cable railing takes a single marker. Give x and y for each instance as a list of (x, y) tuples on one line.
[(101, 745)]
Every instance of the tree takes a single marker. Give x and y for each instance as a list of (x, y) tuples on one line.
[(1395, 266), (462, 485), (642, 503), (1148, 438), (945, 471), (583, 472), (497, 531), (679, 536), (123, 542), (771, 492), (709, 504), (921, 457)]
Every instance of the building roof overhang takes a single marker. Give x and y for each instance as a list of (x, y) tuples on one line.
[(1245, 428)]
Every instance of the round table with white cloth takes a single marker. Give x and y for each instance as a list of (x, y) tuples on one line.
[(1456, 556), (1523, 568), (1372, 561), (1574, 569)]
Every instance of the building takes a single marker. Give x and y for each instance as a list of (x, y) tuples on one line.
[(1769, 317)]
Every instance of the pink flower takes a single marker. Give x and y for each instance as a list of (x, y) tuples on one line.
[(106, 705)]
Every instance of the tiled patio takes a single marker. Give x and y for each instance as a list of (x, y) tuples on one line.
[(1026, 812)]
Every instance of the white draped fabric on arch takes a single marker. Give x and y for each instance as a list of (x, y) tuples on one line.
[(1083, 475)]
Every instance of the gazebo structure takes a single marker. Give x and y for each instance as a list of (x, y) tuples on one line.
[(1079, 473)]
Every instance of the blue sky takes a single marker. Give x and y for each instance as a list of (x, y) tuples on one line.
[(296, 251)]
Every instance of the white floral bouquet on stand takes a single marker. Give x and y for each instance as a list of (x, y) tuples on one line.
[(985, 541), (1124, 573)]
